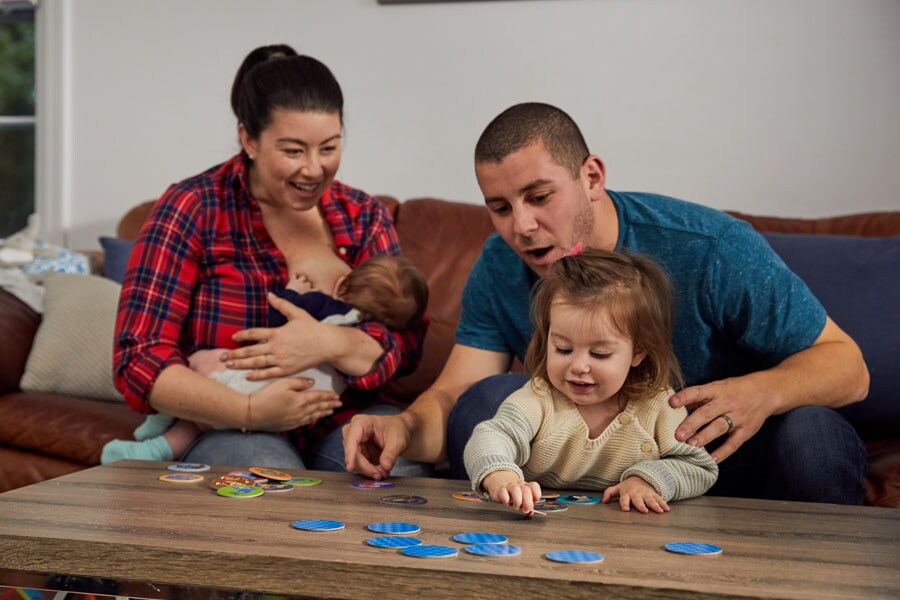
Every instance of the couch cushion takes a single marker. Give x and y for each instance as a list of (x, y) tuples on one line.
[(858, 281), (72, 351), (116, 252), (18, 324), (443, 239)]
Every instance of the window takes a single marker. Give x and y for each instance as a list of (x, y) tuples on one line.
[(17, 115)]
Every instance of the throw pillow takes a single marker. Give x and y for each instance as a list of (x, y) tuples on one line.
[(857, 279), (72, 350), (116, 252)]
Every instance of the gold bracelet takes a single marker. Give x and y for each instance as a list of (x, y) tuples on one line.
[(246, 428)]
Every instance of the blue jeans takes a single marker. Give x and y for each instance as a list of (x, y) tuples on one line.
[(809, 454), (230, 447)]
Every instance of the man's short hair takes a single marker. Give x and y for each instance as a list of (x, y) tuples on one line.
[(522, 124)]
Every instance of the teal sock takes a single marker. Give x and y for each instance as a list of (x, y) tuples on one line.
[(153, 426), (153, 449)]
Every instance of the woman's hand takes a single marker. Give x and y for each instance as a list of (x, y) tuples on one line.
[(636, 492), (280, 351), (286, 404), (506, 488)]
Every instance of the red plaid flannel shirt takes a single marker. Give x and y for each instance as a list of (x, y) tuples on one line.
[(203, 264)]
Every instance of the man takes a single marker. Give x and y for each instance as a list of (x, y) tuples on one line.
[(763, 363)]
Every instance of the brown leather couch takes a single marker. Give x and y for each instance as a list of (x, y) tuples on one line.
[(46, 435)]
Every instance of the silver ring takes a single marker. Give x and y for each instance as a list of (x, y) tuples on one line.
[(727, 420)]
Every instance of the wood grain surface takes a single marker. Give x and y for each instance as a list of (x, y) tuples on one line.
[(119, 522)]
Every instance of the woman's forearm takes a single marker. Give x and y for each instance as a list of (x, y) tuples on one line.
[(352, 351), (182, 393)]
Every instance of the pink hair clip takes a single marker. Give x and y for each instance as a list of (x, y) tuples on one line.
[(575, 251)]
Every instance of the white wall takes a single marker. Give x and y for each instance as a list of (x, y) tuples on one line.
[(787, 107)]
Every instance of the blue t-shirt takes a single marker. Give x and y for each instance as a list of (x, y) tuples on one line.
[(739, 308)]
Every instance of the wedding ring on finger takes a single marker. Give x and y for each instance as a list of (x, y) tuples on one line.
[(727, 420)]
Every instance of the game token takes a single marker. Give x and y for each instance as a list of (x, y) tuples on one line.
[(276, 487), (578, 499), (402, 500), (240, 491), (430, 551), (480, 538), (695, 548), (467, 496), (371, 484), (189, 467), (393, 527), (317, 525), (224, 480), (181, 477), (393, 541), (271, 473), (303, 481), (549, 495), (574, 556), (493, 550), (248, 475), (550, 506)]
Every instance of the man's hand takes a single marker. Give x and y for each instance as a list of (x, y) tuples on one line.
[(739, 398), (372, 444)]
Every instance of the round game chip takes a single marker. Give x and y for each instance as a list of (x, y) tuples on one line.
[(317, 525), (578, 499), (240, 491), (224, 480), (189, 467), (271, 473), (430, 551), (181, 478), (467, 496), (493, 550), (393, 541), (248, 475), (574, 556), (480, 538), (394, 527), (402, 500), (550, 506), (372, 484), (696, 548), (303, 481), (276, 487), (549, 495)]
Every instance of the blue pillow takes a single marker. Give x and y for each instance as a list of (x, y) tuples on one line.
[(115, 257), (857, 279)]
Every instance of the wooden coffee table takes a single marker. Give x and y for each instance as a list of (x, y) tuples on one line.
[(118, 530)]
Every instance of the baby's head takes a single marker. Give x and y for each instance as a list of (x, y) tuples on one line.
[(631, 294), (387, 289)]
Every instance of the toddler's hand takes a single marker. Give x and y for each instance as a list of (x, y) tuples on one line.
[(300, 284), (636, 492), (506, 488)]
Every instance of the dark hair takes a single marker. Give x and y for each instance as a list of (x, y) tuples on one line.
[(387, 289), (276, 76), (522, 124), (640, 303)]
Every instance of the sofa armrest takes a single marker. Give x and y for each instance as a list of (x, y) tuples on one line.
[(18, 325)]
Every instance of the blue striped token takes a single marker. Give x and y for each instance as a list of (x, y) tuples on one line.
[(574, 556), (694, 548), (393, 541), (394, 527), (317, 525), (480, 538), (430, 551), (579, 499), (493, 550)]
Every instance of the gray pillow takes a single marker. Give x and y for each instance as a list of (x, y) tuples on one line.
[(72, 351)]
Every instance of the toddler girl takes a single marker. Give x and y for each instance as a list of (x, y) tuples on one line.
[(595, 413)]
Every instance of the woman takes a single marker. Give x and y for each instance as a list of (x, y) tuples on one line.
[(214, 248)]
